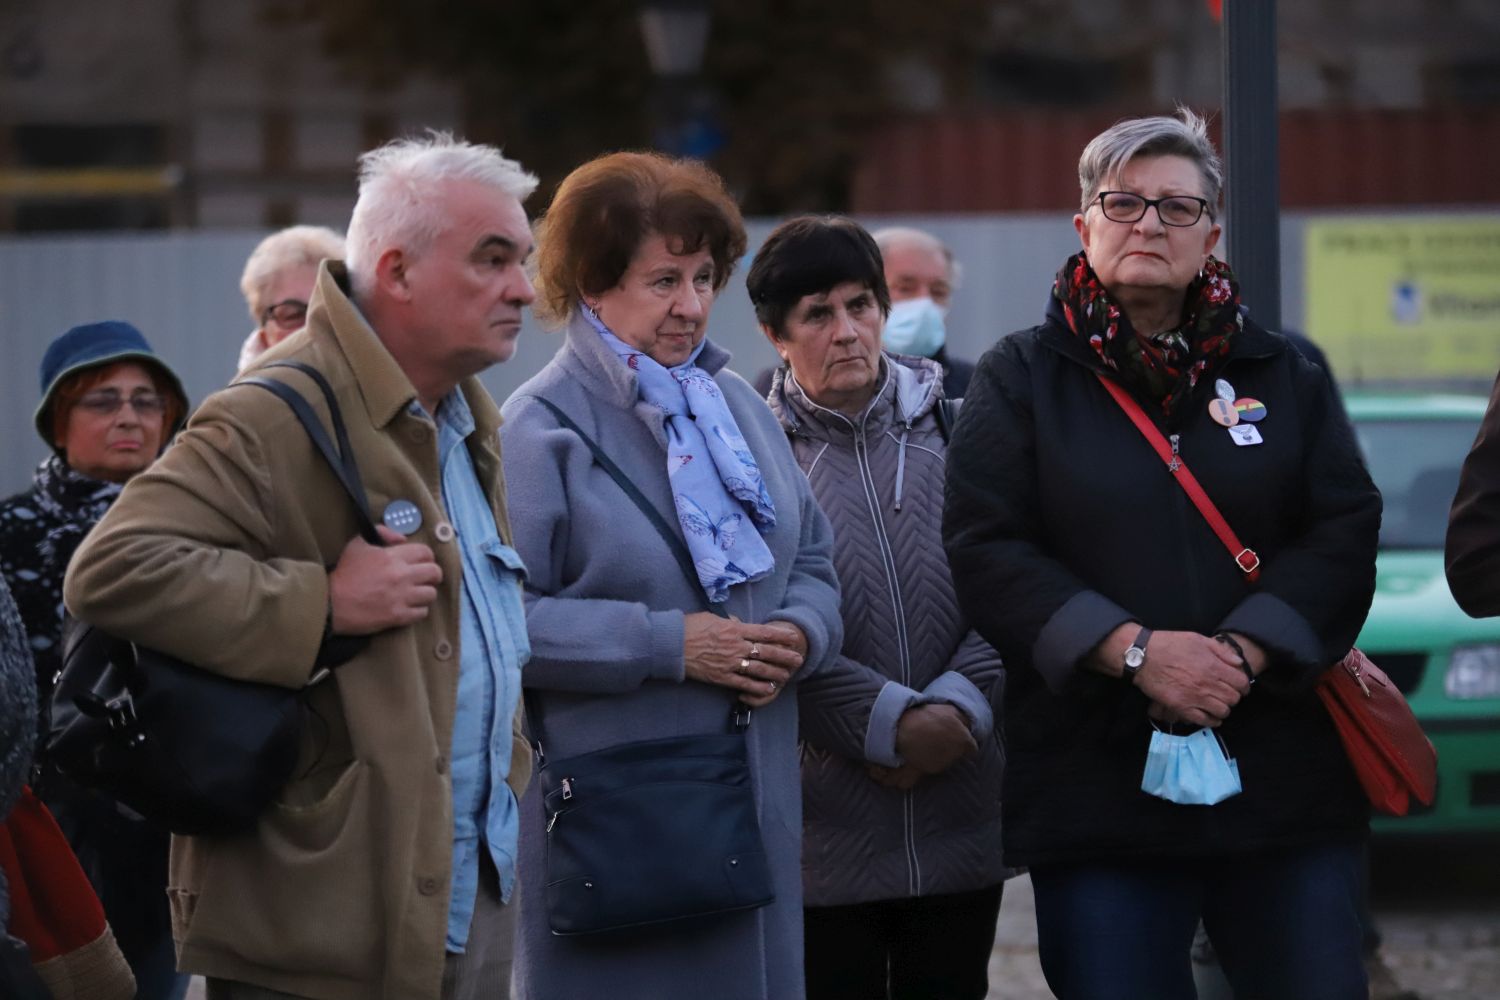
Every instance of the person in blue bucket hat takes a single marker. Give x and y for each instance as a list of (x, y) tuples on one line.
[(108, 407)]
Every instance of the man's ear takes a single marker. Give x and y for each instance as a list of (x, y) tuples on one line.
[(776, 343), (391, 276)]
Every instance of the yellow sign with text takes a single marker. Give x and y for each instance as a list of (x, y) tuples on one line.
[(1406, 298)]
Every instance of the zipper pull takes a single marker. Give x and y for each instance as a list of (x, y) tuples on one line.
[(567, 787), (1175, 464)]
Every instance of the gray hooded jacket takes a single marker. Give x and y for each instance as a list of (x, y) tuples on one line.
[(879, 478)]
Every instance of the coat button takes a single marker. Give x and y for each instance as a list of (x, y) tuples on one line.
[(442, 765), (417, 434), (444, 532), (428, 885), (443, 650)]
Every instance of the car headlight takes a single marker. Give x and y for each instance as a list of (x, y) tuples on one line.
[(1474, 672)]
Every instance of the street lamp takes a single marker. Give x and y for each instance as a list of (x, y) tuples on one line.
[(676, 35)]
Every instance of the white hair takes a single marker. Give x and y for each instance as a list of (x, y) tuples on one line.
[(893, 236), (1186, 136), (295, 246), (397, 183)]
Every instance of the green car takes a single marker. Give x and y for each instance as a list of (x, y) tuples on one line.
[(1447, 663)]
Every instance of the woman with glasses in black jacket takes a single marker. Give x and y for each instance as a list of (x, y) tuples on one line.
[(1167, 756)]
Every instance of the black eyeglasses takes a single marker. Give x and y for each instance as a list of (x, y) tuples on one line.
[(288, 314), (107, 402), (1175, 210)]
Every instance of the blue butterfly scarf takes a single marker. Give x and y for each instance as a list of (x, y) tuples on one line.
[(716, 484)]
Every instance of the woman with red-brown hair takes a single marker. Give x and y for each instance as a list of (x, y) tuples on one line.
[(630, 258), (109, 406)]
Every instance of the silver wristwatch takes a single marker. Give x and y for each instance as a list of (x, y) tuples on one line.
[(1135, 656)]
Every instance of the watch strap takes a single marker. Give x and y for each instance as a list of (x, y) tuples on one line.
[(1142, 637)]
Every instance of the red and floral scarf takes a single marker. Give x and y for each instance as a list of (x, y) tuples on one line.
[(1167, 366)]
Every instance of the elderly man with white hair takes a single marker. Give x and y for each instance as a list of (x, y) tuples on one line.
[(278, 282), (386, 868), (922, 275)]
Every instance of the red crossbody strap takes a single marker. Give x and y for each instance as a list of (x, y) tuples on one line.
[(1244, 557)]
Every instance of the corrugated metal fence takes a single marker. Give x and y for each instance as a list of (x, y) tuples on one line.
[(1023, 160)]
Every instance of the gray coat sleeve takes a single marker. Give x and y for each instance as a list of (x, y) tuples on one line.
[(588, 645), (970, 684), (812, 589), (851, 709)]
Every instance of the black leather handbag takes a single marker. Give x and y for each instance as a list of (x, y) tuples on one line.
[(191, 750), (654, 831)]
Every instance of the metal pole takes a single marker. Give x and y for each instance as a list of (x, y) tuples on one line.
[(1253, 188)]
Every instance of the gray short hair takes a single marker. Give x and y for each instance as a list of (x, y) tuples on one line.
[(396, 183), (1186, 136), (892, 236), (295, 246)]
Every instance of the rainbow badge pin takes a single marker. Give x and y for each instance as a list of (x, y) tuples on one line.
[(1251, 411)]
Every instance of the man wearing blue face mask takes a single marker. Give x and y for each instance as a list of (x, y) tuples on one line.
[(922, 276)]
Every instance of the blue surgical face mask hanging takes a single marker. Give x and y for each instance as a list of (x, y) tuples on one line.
[(915, 327), (1192, 770)]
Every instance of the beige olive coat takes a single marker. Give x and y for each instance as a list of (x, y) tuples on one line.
[(218, 555)]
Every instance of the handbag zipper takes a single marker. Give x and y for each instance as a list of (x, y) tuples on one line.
[(567, 793)]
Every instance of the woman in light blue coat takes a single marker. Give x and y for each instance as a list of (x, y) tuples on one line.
[(631, 256)]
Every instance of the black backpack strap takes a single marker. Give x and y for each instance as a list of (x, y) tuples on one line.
[(341, 459), (741, 714), (947, 415), (346, 453), (335, 649)]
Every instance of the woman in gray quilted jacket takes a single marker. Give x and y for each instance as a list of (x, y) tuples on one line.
[(901, 763)]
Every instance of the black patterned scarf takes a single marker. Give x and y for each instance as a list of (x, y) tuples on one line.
[(1165, 367), (39, 531)]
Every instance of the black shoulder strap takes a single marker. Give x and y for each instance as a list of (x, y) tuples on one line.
[(740, 717), (947, 416), (341, 460)]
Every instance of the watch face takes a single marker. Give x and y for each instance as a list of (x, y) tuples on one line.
[(1134, 657)]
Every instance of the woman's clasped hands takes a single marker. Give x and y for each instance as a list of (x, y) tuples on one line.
[(1192, 678), (757, 661)]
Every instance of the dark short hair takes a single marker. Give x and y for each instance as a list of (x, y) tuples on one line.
[(605, 209), (808, 255)]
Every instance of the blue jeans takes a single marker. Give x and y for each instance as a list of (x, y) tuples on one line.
[(1285, 924)]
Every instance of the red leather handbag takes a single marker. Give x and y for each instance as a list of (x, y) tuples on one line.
[(1393, 759)]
